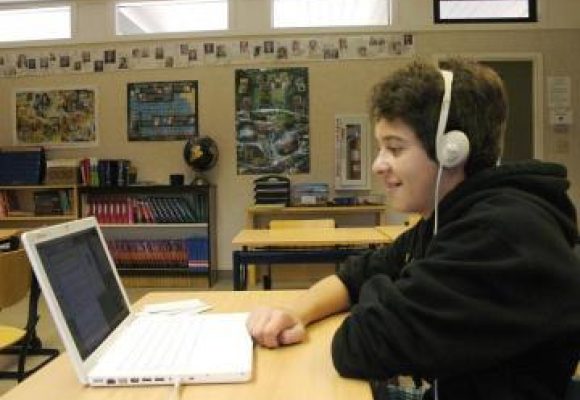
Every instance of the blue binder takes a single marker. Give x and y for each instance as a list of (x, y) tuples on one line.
[(22, 166)]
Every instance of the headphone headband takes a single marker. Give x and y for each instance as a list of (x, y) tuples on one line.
[(452, 148), (445, 103)]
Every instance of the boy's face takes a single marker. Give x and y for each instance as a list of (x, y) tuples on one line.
[(405, 169)]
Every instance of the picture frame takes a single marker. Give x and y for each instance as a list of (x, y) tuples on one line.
[(162, 111), (352, 158), (55, 117)]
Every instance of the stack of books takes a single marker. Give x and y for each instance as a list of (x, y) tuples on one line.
[(191, 253), (95, 172), (123, 209)]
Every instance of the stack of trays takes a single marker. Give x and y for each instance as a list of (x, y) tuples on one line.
[(272, 190)]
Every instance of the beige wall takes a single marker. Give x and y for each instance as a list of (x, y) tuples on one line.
[(335, 87)]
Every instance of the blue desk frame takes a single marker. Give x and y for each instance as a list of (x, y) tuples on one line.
[(241, 259)]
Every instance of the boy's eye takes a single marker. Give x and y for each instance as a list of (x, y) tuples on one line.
[(394, 150)]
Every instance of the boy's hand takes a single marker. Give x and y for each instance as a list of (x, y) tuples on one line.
[(274, 327)]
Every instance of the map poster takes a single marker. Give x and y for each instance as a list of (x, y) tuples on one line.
[(162, 110)]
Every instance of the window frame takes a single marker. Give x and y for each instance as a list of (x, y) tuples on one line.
[(161, 35), (37, 5), (532, 18), (333, 28)]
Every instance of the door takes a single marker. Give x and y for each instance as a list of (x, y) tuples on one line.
[(518, 76)]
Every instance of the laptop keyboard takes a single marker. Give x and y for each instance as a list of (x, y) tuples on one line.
[(154, 343)]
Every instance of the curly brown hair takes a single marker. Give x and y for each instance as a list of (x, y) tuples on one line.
[(479, 106)]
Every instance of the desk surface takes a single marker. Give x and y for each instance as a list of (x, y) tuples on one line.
[(297, 372), (311, 237), (8, 233), (392, 231)]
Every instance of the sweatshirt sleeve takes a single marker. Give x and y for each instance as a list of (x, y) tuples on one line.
[(386, 260), (458, 308)]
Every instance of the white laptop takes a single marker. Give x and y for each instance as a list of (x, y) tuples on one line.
[(108, 344)]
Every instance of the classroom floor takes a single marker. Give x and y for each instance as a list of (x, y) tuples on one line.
[(16, 316)]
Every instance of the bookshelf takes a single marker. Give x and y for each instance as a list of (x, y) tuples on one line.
[(159, 236), (29, 206)]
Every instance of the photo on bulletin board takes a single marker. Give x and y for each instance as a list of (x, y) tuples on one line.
[(55, 117), (158, 111), (272, 123)]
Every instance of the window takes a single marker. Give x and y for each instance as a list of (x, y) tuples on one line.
[(166, 16), (482, 11), (32, 22), (330, 13)]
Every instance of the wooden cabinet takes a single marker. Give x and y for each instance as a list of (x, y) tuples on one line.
[(158, 235), (36, 205)]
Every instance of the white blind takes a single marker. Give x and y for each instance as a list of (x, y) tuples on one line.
[(329, 13), (165, 16), (35, 23)]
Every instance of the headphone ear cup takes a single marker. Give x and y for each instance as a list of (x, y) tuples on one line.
[(452, 149)]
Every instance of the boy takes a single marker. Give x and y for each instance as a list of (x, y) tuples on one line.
[(481, 297)]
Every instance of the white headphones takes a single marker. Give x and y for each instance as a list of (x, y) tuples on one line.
[(452, 148)]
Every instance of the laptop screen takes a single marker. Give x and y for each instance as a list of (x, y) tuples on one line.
[(85, 287)]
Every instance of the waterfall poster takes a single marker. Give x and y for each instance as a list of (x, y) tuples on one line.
[(272, 122)]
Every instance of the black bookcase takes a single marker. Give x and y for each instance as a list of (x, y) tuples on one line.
[(157, 235)]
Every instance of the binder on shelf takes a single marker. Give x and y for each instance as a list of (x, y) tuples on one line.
[(22, 165)]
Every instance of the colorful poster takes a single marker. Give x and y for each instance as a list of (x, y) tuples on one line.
[(59, 117), (162, 110), (272, 123)]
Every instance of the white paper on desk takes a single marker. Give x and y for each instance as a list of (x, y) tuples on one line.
[(193, 306)]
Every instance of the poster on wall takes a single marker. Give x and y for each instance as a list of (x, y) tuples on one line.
[(162, 110), (55, 117), (272, 123)]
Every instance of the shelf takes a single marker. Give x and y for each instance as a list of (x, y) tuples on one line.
[(140, 189), (39, 187), (155, 243), (39, 218), (36, 205), (160, 271), (185, 225)]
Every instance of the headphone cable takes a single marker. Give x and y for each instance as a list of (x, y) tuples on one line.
[(435, 227), (436, 205)]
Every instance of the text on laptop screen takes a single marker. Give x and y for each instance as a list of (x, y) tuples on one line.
[(83, 282)]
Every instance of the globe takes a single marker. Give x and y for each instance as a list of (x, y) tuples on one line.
[(200, 153)]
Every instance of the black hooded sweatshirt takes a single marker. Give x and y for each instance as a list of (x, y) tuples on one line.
[(490, 306)]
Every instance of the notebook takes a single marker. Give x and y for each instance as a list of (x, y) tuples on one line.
[(111, 345)]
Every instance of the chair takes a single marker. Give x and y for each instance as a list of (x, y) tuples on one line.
[(573, 390), (292, 224), (412, 219), (16, 280)]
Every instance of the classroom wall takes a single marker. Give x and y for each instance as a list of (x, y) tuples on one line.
[(335, 88)]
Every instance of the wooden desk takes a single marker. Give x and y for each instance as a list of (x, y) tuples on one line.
[(392, 231), (323, 245), (6, 234), (253, 213), (299, 372), (259, 216)]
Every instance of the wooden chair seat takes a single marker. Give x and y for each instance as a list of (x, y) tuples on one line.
[(10, 335), (15, 285)]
